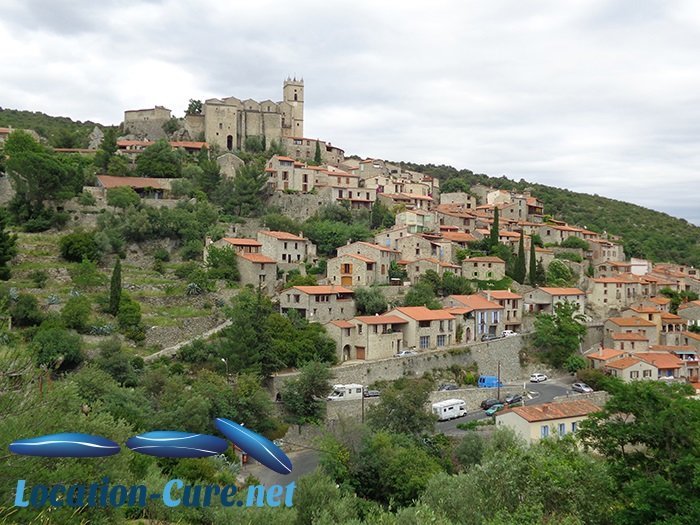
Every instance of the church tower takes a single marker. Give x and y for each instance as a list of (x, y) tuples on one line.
[(293, 94)]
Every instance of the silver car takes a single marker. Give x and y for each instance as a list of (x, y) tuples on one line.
[(538, 378), (582, 388)]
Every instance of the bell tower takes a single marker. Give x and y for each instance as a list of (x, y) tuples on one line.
[(293, 94)]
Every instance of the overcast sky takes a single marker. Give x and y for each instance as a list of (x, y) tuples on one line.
[(601, 96)]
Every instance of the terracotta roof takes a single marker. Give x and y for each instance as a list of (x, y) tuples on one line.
[(625, 336), (562, 291), (671, 318), (476, 302), (661, 360), (458, 236), (659, 300), (322, 289), (689, 305), (645, 310), (358, 257), (549, 411), (672, 348), (459, 310), (342, 324), (421, 313), (377, 246), (285, 159), (630, 321), (502, 294), (241, 241), (381, 319), (605, 354), (109, 181), (612, 280), (436, 261), (282, 236), (625, 362), (692, 335), (256, 258), (543, 250), (485, 259)]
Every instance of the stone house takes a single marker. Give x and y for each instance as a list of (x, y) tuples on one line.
[(257, 270), (612, 268), (598, 359), (544, 299), (352, 270), (646, 328), (613, 292), (691, 313), (629, 341), (512, 304), (465, 200), (556, 234), (145, 187), (601, 250), (455, 215), (367, 337), (287, 249), (416, 268), (415, 247), (484, 268), (417, 221), (382, 256), (535, 422), (631, 369), (477, 315), (389, 238), (426, 329), (229, 164), (319, 304), (411, 201), (667, 364)]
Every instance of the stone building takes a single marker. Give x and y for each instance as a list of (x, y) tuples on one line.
[(426, 329), (319, 304), (286, 248), (254, 268), (543, 300), (484, 268), (367, 337)]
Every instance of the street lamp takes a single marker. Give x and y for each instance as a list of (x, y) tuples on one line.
[(226, 363)]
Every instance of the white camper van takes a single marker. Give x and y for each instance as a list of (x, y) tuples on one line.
[(449, 409), (344, 392)]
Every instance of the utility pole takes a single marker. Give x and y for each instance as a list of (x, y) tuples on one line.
[(362, 419), (498, 382)]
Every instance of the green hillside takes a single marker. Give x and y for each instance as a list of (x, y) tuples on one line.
[(646, 233), (60, 132)]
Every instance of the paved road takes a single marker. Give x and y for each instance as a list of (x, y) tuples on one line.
[(546, 391), (303, 462)]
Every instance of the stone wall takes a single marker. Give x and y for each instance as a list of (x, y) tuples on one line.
[(299, 206), (597, 398), (6, 191)]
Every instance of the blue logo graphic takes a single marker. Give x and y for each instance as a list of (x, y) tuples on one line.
[(177, 444), (166, 444), (65, 445), (257, 446)]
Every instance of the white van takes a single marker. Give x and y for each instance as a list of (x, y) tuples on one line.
[(345, 392), (449, 409)]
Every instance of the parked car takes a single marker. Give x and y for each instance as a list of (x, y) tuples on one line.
[(489, 337), (405, 353), (538, 378), (508, 333), (447, 386), (583, 388), (512, 399), (488, 403), (488, 382), (495, 408), (371, 393)]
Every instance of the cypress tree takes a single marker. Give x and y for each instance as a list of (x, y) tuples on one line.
[(520, 268), (317, 154), (533, 264), (115, 288), (8, 247), (540, 273), (494, 228)]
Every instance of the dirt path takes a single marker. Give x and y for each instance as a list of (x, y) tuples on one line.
[(172, 350)]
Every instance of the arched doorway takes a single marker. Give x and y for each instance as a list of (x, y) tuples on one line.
[(346, 352), (467, 335), (229, 142)]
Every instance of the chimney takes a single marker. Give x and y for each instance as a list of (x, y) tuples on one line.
[(545, 408), (600, 352)]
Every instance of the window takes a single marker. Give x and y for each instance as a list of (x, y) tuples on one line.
[(562, 429), (634, 374), (574, 426), (442, 326), (441, 340), (646, 373), (544, 431), (424, 341), (359, 329)]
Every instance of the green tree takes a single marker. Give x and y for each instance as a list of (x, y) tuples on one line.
[(158, 160), (76, 313), (56, 347), (86, 275), (222, 263), (304, 398), (381, 216), (118, 166), (559, 274), (397, 271), (559, 334), (248, 187), (370, 301), (470, 450), (574, 363), (495, 228), (649, 433), (401, 408), (575, 242), (194, 107), (25, 311), (122, 197), (317, 154), (532, 274), (540, 274), (8, 247), (422, 294), (454, 185), (115, 288), (107, 149), (520, 267)]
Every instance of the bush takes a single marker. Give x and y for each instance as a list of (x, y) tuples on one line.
[(76, 313), (86, 275), (574, 242), (574, 363), (78, 246), (25, 311), (56, 347), (39, 278), (192, 250), (569, 256), (129, 313), (161, 254), (86, 199), (222, 264)]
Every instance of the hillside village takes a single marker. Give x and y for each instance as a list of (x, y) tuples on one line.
[(224, 262)]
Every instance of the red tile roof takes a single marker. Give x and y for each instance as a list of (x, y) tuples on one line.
[(457, 236), (661, 360), (630, 321), (549, 411), (562, 291), (381, 319), (497, 260), (421, 313), (342, 324), (242, 241), (625, 362), (502, 294), (476, 302), (256, 258), (282, 236), (109, 181), (322, 289), (605, 354), (358, 257)]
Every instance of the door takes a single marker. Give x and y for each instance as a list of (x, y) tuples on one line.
[(360, 352), (346, 280)]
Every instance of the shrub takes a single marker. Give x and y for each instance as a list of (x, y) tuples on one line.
[(86, 275), (39, 278), (222, 264), (569, 256), (76, 247), (192, 250), (25, 311), (129, 313), (574, 242), (56, 347), (161, 254), (76, 313), (86, 199)]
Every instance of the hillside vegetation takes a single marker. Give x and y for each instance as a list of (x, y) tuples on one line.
[(60, 132), (646, 233)]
